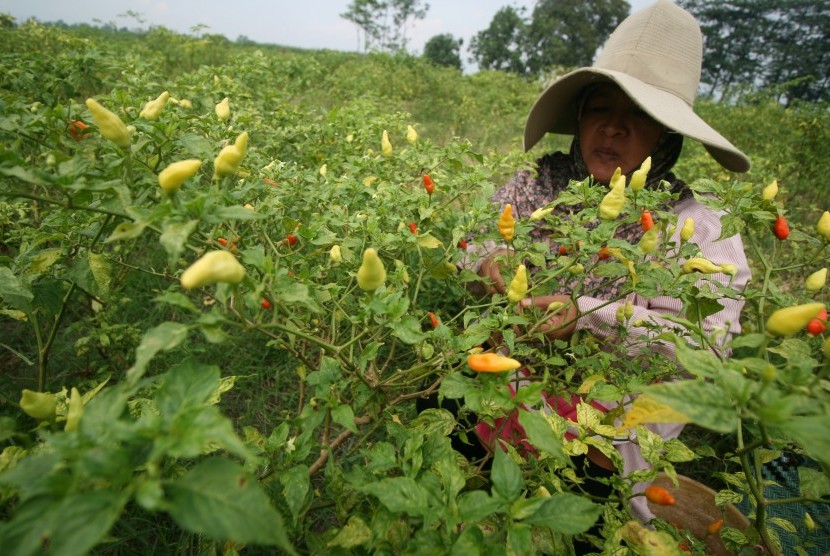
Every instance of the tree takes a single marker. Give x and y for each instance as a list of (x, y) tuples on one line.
[(499, 47), (765, 43), (384, 22), (566, 33), (444, 50)]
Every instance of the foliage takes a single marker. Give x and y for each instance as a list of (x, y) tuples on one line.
[(384, 22), (444, 50), (557, 34), (500, 46), (278, 412), (752, 43), (570, 33)]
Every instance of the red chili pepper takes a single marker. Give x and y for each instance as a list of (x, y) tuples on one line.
[(265, 304), (818, 324), (659, 495), (76, 129), (463, 244), (225, 243), (646, 221), (429, 185), (290, 240), (604, 253), (781, 229), (413, 227), (434, 320), (270, 182), (563, 250)]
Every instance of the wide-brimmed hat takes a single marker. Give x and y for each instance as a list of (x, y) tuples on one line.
[(655, 56)]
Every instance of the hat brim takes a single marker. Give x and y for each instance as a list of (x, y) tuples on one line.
[(556, 111)]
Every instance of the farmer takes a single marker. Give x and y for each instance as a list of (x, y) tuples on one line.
[(634, 102)]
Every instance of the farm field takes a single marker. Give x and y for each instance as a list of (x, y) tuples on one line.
[(262, 399)]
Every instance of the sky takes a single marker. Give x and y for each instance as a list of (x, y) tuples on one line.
[(305, 23)]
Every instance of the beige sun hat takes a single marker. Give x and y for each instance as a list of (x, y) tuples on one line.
[(655, 56)]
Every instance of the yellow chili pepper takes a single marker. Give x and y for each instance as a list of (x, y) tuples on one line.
[(109, 124), (620, 314), (629, 309), (613, 202), (770, 191), (227, 162), (371, 274), (152, 110), (688, 230), (506, 223), (540, 213), (790, 320), (385, 145), (38, 405), (823, 225), (213, 267), (729, 269), (648, 243), (223, 109), (335, 254), (74, 411), (491, 363), (699, 264), (411, 134), (172, 177), (518, 286), (816, 280), (638, 178)]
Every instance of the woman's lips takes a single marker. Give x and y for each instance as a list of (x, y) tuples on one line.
[(606, 153)]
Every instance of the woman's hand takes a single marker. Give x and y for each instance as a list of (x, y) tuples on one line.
[(562, 322), (490, 270)]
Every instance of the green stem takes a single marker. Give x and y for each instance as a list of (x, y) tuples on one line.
[(66, 204), (754, 489)]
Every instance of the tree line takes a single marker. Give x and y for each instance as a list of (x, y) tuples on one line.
[(782, 45)]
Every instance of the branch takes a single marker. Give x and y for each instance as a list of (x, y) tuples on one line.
[(325, 452)]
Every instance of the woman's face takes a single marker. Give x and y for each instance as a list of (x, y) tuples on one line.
[(615, 132)]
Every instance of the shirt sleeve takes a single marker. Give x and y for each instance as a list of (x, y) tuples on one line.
[(599, 316)]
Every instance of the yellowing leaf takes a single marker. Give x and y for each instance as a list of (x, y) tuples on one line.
[(648, 410), (428, 242), (589, 383)]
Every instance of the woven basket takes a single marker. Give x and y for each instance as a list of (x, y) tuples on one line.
[(695, 509)]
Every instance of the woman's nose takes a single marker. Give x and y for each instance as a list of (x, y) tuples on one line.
[(614, 124)]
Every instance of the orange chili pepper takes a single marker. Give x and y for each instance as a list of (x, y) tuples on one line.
[(434, 320), (429, 185), (659, 495), (491, 363)]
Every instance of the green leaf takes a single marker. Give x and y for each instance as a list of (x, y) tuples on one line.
[(43, 260), (435, 420), (343, 415), (355, 533), (14, 291), (814, 483), (177, 299), (476, 505), (469, 543), (566, 513), (218, 499), (408, 330), (126, 230), (70, 525), (541, 434), (295, 486), (456, 386), (519, 539), (703, 403), (235, 213), (174, 237), (101, 271), (506, 476), (186, 386), (400, 495), (163, 337), (699, 362), (811, 432)]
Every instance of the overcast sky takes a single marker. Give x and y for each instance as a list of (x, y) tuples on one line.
[(303, 23)]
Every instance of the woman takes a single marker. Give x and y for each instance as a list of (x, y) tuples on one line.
[(636, 101)]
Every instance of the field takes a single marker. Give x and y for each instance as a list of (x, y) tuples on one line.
[(266, 401)]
